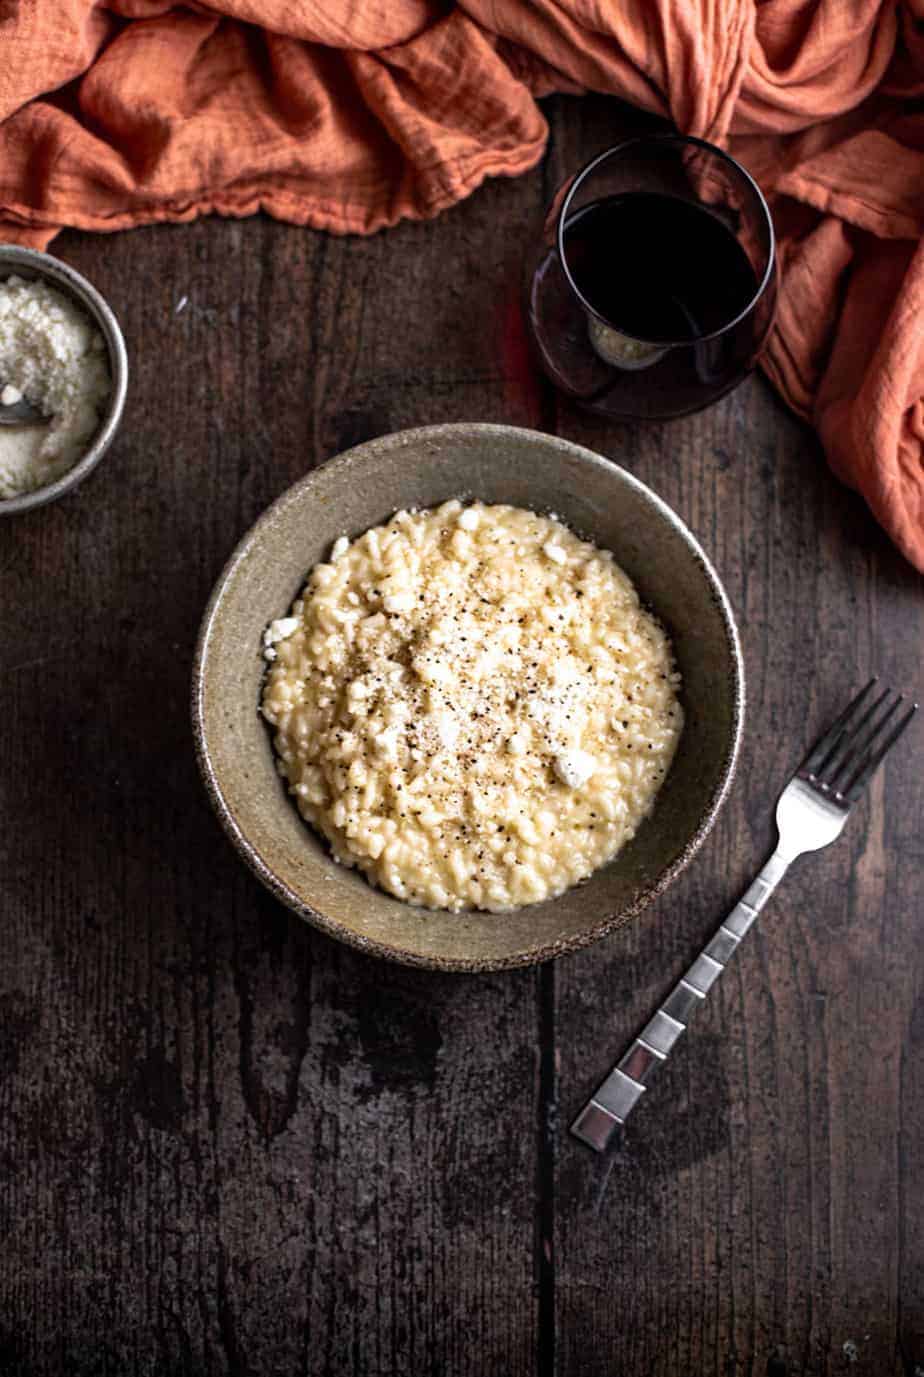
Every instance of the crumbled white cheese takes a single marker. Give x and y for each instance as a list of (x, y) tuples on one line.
[(447, 729), (51, 354), (386, 743), (469, 519), (554, 552), (279, 630), (398, 602), (574, 768), (432, 671)]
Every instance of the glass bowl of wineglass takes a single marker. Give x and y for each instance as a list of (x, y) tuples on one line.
[(653, 289)]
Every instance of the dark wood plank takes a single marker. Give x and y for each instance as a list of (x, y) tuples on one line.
[(765, 1212), (227, 1144)]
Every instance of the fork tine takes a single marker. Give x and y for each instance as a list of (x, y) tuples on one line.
[(823, 747), (855, 744), (833, 762), (867, 767)]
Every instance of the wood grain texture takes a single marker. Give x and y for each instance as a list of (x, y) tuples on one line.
[(764, 1212), (230, 1146)]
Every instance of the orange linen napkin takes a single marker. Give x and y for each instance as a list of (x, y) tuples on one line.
[(351, 116)]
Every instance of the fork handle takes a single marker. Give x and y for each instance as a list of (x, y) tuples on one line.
[(614, 1100)]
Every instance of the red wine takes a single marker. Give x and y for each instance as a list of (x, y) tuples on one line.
[(659, 270)]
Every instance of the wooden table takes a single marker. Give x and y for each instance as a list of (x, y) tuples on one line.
[(230, 1145)]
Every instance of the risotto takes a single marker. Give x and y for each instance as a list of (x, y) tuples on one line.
[(471, 705)]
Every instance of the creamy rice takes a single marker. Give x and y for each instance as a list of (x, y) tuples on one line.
[(471, 705)]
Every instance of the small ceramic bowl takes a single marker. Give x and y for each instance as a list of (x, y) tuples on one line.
[(421, 468), (29, 264)]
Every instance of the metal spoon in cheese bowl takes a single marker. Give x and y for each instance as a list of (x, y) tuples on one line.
[(17, 410), (42, 455), (53, 359)]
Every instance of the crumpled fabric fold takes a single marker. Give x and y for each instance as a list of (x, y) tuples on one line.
[(352, 116)]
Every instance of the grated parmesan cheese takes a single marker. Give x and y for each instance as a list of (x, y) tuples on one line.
[(51, 354)]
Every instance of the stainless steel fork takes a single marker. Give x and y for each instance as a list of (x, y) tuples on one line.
[(810, 814)]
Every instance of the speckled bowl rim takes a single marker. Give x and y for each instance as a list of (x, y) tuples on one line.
[(345, 464), (60, 274)]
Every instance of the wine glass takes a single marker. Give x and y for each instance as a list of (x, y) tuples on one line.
[(653, 288)]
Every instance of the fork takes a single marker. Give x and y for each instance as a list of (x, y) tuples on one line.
[(810, 814)]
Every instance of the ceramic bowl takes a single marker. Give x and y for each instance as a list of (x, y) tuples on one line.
[(421, 468), (29, 264)]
